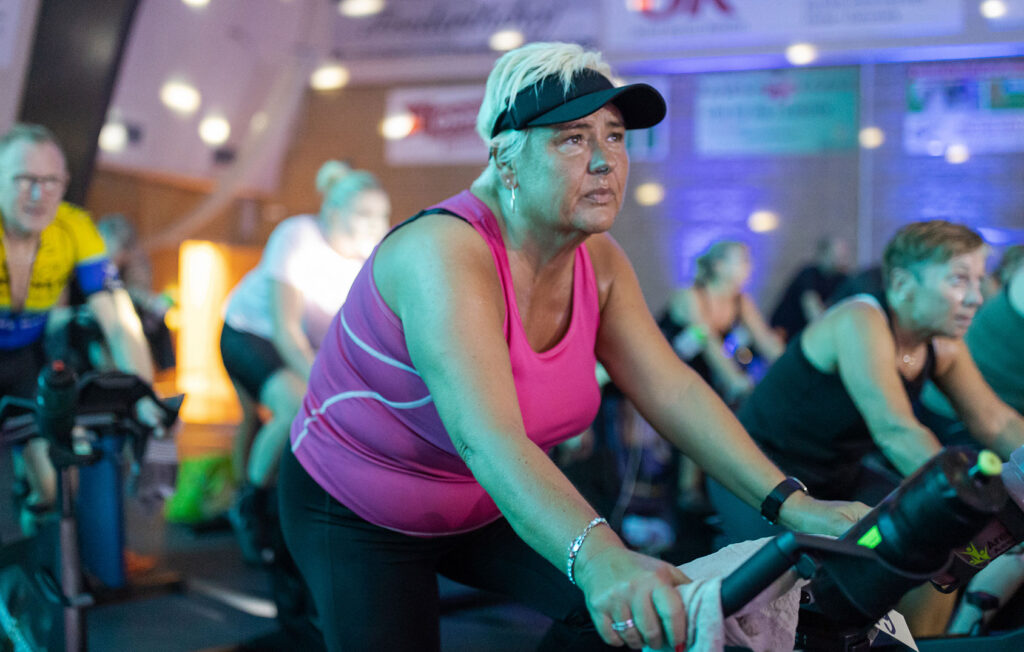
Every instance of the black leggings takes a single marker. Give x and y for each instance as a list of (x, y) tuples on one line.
[(376, 589), (250, 360)]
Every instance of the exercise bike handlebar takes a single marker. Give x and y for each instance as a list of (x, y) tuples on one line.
[(98, 401), (786, 551)]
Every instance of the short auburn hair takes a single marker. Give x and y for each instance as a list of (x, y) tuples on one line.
[(932, 241)]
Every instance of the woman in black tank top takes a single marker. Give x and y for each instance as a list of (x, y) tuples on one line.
[(716, 327), (843, 390)]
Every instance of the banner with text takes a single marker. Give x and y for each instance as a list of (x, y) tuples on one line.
[(443, 126), (429, 27), (676, 25), (978, 105), (791, 111)]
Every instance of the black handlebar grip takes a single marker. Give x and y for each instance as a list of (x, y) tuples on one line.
[(56, 403), (758, 572)]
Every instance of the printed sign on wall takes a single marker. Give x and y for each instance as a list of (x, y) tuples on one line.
[(790, 111), (427, 27), (978, 105), (443, 127), (674, 25)]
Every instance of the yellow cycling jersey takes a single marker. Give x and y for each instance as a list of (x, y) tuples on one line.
[(70, 245)]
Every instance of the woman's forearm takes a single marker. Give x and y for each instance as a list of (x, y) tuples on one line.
[(536, 498), (705, 429), (294, 349)]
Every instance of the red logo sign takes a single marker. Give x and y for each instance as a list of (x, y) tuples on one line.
[(665, 8)]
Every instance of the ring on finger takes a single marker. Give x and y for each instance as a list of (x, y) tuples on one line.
[(623, 625)]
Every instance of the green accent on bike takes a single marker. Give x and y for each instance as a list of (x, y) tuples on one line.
[(871, 538), (989, 463)]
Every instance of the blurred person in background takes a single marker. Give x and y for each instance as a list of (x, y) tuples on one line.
[(48, 246), (1011, 260), (136, 271), (719, 331), (274, 321), (716, 327), (807, 295)]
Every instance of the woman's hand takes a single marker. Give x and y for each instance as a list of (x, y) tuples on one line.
[(833, 517), (622, 586)]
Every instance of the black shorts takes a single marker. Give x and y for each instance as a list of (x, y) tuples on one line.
[(19, 370), (249, 359)]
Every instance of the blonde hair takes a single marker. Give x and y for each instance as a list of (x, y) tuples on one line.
[(933, 241), (522, 68), (339, 184), (706, 261)]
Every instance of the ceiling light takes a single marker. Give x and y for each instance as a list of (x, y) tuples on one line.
[(957, 154), (871, 137), (360, 8), (992, 9), (196, 3), (180, 96), (214, 130), (649, 194), (329, 77), (398, 126), (801, 54), (762, 221), (506, 39), (113, 137)]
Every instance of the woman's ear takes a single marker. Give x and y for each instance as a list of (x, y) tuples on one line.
[(901, 281), (506, 172)]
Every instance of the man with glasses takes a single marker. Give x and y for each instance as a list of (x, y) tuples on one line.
[(47, 244)]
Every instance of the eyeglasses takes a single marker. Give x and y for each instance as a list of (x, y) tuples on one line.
[(47, 184)]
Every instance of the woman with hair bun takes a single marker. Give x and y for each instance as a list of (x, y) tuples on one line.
[(276, 317), (700, 317)]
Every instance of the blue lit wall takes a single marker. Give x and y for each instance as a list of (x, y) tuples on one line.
[(710, 198)]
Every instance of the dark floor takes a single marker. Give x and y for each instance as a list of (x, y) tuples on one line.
[(219, 604), (225, 606)]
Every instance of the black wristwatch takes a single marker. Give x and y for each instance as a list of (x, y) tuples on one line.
[(773, 503)]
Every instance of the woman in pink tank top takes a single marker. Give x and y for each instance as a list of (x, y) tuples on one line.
[(467, 349)]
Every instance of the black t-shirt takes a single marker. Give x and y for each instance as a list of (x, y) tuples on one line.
[(808, 424), (789, 314)]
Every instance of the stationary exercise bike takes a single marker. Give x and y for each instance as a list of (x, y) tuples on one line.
[(919, 533), (77, 416)]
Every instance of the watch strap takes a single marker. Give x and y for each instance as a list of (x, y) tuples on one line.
[(773, 503)]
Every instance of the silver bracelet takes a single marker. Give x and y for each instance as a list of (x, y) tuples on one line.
[(577, 543)]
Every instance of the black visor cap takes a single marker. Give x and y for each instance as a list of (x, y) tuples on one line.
[(545, 103)]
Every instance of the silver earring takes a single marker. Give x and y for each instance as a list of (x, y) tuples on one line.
[(513, 199)]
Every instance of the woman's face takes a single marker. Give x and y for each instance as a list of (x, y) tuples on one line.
[(572, 175), (734, 268), (945, 296), (361, 224)]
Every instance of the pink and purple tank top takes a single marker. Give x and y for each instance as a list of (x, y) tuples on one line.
[(368, 431)]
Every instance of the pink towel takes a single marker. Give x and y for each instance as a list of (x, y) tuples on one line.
[(766, 624)]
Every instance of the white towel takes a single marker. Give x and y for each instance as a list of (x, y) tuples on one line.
[(766, 624)]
